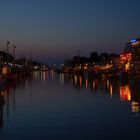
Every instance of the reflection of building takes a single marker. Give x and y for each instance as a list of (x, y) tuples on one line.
[(135, 107), (125, 93), (135, 98)]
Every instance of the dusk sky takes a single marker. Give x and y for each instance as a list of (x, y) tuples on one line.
[(55, 29)]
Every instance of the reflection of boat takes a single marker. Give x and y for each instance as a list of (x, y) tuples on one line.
[(1, 109), (7, 93), (12, 76), (44, 68), (2, 82)]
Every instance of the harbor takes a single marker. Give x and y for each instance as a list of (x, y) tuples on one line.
[(69, 70), (48, 105)]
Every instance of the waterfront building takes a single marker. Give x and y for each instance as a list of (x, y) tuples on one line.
[(130, 58), (133, 47)]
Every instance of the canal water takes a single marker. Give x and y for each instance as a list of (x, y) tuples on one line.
[(52, 106)]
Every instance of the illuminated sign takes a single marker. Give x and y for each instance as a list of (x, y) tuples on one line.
[(126, 57), (133, 41)]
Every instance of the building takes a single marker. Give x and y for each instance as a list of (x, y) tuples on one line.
[(130, 58), (133, 47)]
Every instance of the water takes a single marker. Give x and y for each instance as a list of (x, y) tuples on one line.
[(52, 106)]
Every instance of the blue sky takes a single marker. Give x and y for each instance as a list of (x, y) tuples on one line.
[(55, 29)]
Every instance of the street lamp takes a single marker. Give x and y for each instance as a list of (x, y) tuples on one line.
[(7, 52), (14, 51)]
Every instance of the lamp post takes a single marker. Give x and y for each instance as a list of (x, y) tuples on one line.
[(14, 51), (7, 61)]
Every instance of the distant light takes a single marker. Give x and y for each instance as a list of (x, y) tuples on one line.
[(133, 40)]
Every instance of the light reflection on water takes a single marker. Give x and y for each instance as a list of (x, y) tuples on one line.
[(127, 91), (49, 96)]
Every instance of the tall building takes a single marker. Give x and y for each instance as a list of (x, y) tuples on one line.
[(133, 47), (131, 56)]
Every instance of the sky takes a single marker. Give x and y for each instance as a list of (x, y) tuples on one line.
[(53, 30)]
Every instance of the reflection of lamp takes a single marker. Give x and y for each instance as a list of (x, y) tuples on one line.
[(111, 90), (135, 107), (125, 93)]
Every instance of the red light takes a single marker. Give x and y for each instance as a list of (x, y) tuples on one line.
[(126, 56)]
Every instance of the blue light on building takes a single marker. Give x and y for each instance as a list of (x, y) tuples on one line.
[(133, 40)]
